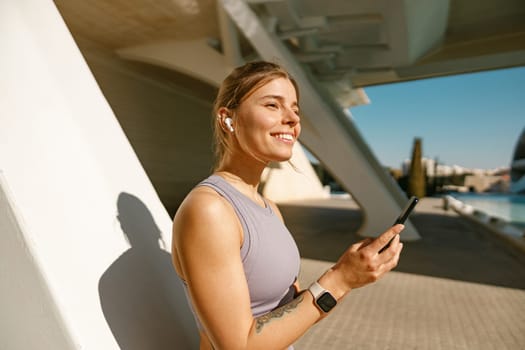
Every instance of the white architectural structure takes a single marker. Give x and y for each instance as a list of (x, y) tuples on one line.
[(99, 98), (81, 260)]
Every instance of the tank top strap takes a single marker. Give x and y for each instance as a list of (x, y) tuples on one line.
[(239, 203)]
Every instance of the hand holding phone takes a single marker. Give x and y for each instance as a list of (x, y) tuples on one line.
[(402, 217)]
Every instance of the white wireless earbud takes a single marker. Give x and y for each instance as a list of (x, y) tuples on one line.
[(228, 122)]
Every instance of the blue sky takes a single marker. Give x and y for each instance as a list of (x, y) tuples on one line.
[(472, 120)]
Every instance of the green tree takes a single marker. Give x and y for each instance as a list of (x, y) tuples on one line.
[(416, 174)]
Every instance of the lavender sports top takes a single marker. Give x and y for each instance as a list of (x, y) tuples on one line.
[(269, 254)]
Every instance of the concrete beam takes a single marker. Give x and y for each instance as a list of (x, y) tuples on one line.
[(193, 57)]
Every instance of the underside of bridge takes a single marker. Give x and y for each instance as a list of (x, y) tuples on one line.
[(357, 43), (334, 49)]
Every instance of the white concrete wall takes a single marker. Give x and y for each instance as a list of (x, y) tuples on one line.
[(25, 298), (166, 117), (91, 218)]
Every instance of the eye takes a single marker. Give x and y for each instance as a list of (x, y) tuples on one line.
[(272, 105)]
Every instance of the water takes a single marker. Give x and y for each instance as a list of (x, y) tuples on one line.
[(509, 207)]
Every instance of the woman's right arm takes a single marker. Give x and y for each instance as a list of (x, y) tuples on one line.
[(207, 239)]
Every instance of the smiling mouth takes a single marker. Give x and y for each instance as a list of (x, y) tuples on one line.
[(284, 137)]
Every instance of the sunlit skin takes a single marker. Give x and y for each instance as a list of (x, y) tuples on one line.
[(207, 234), (266, 126)]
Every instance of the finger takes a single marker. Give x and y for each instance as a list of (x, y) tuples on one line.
[(386, 237), (390, 250), (392, 263), (390, 258), (361, 244)]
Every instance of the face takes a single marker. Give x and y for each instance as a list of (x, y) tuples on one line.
[(267, 122)]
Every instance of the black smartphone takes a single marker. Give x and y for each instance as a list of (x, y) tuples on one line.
[(411, 204), (406, 210)]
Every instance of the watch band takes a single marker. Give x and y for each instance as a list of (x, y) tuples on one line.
[(316, 289), (323, 299)]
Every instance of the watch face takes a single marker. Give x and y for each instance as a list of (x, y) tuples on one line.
[(326, 302)]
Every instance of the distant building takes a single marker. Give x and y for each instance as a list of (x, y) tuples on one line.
[(464, 179), (486, 183), (447, 170)]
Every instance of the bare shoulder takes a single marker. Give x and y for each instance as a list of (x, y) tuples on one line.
[(203, 200), (206, 232), (202, 207), (204, 221)]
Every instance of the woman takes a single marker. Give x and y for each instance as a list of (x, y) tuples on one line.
[(238, 261)]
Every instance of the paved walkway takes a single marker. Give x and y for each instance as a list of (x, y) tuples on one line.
[(459, 287)]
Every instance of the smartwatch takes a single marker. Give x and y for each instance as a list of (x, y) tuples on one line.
[(323, 299)]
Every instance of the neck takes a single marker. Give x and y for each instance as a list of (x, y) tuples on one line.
[(244, 170), (243, 176), (243, 181)]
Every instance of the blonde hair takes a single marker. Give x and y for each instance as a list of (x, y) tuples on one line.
[(238, 86)]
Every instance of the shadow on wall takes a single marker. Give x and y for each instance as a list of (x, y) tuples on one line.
[(141, 296)]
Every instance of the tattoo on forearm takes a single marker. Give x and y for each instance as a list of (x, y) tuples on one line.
[(277, 313)]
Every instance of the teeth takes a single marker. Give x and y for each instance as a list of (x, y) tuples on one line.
[(287, 137)]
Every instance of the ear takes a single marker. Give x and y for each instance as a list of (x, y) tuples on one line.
[(223, 112), (225, 120)]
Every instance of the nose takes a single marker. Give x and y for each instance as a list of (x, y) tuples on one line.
[(291, 117)]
